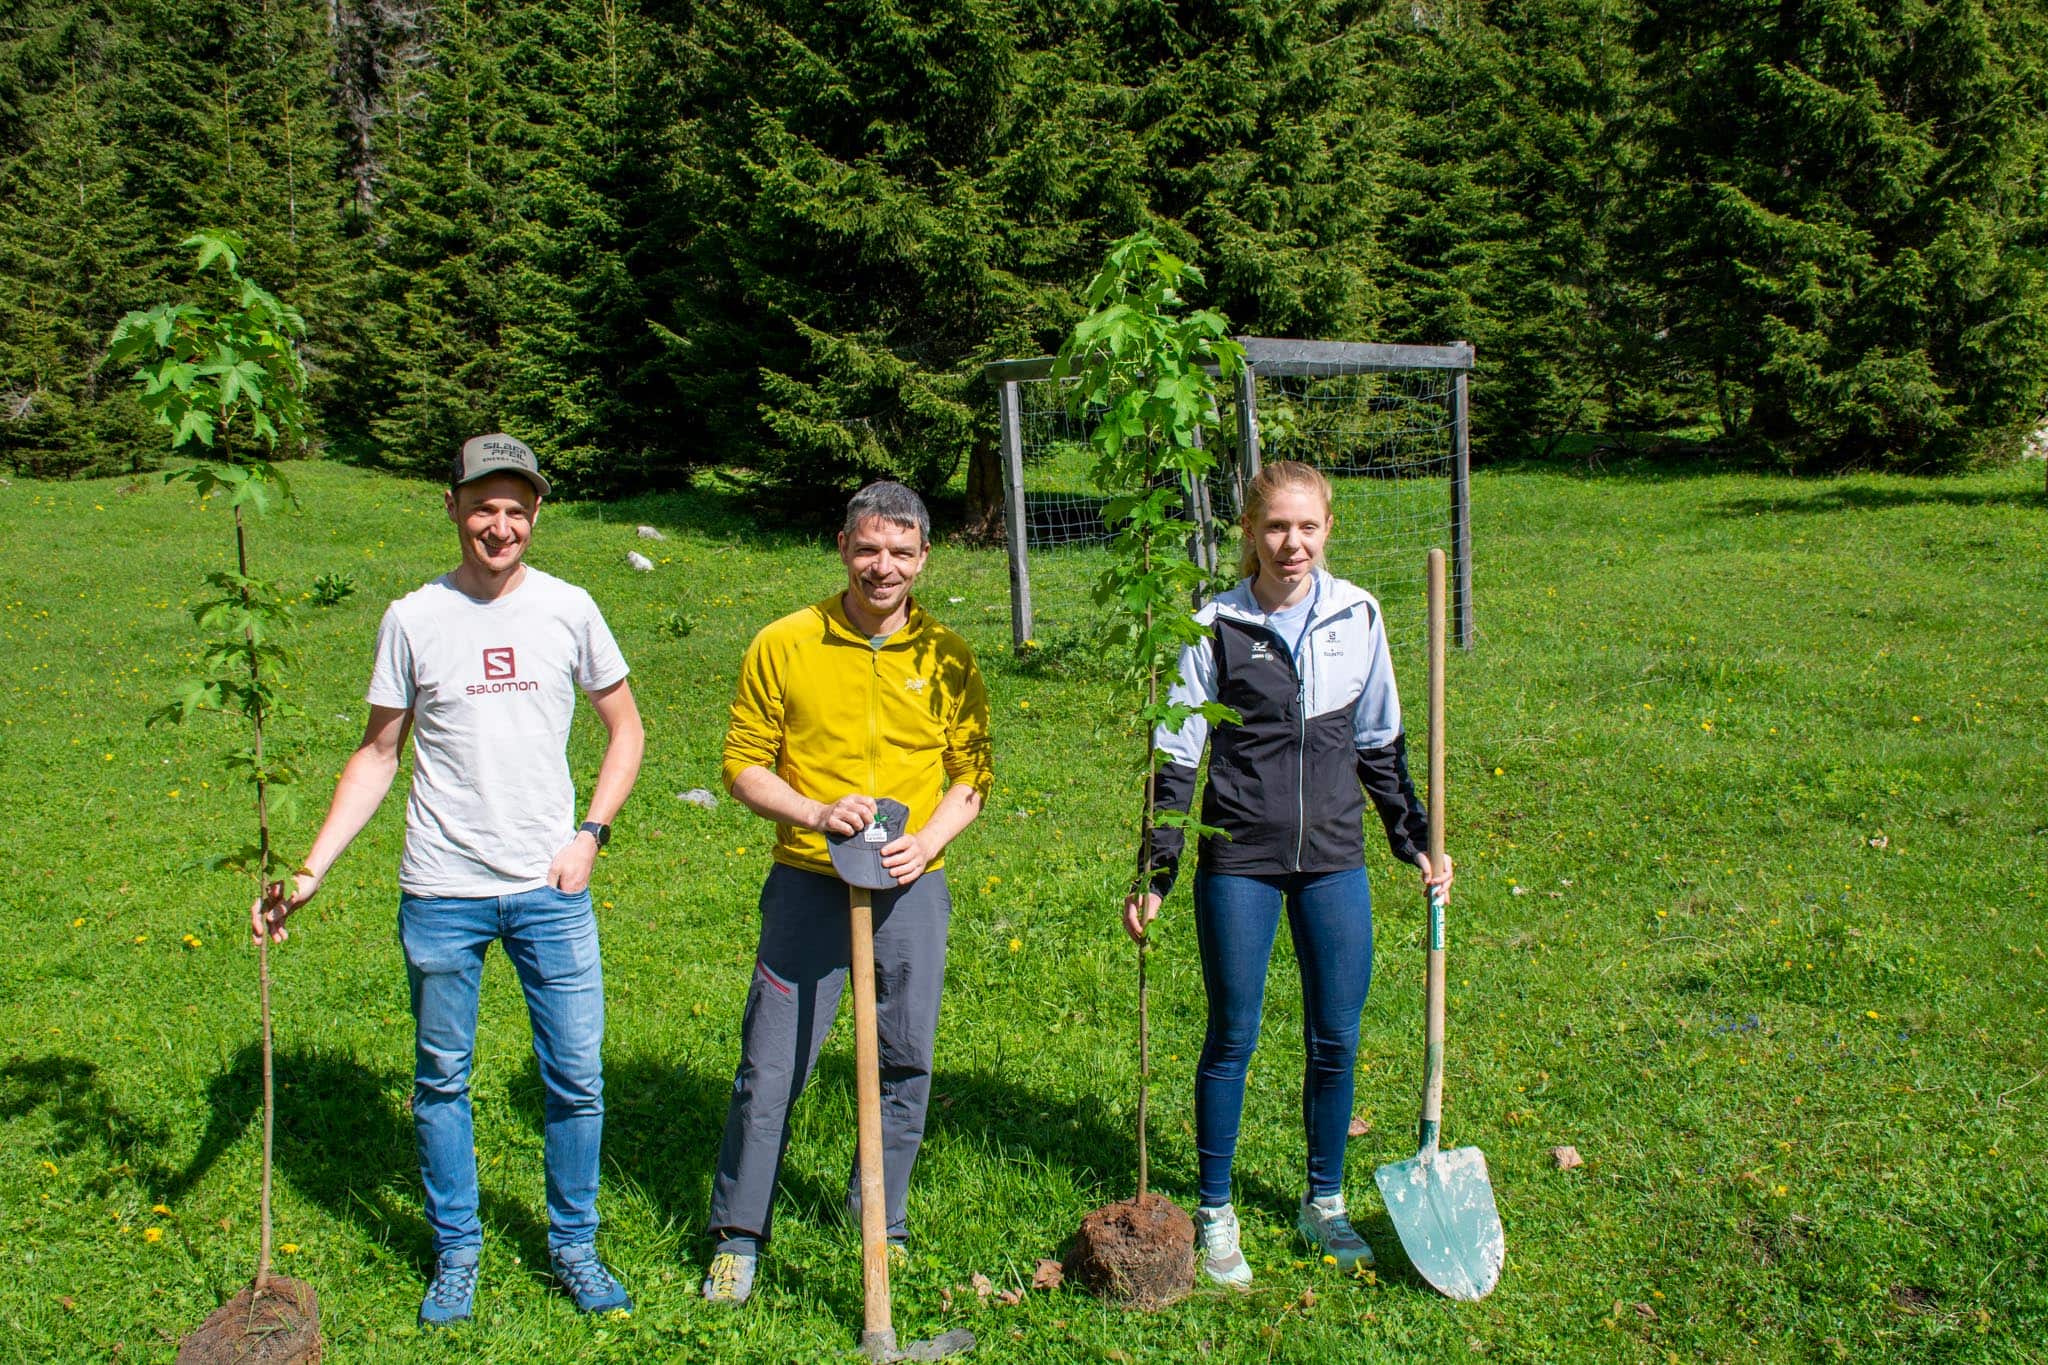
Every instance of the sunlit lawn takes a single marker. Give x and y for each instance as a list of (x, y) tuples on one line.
[(1749, 793)]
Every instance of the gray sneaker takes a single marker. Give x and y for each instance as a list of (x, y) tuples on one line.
[(1326, 1226), (731, 1277), (1222, 1259)]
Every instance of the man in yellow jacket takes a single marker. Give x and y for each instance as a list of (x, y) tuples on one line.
[(860, 696)]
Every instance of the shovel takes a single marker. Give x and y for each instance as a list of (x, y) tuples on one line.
[(1441, 1203), (857, 858)]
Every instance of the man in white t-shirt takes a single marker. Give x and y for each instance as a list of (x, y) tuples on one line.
[(482, 666)]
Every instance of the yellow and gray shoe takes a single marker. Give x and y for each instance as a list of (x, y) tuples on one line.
[(1222, 1258), (731, 1277)]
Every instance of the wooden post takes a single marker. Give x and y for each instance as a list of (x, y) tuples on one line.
[(1247, 429), (1461, 509), (1202, 545), (1010, 402)]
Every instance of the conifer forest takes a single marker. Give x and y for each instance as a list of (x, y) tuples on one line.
[(651, 236)]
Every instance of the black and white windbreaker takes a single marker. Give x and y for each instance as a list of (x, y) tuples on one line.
[(1285, 784)]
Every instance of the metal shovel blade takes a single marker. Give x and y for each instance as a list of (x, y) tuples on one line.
[(880, 1347), (1442, 1205)]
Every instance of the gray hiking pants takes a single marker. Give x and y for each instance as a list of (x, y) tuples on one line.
[(799, 972)]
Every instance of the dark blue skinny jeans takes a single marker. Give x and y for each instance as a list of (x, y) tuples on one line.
[(1330, 916)]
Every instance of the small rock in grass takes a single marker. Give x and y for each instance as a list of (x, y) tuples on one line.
[(1566, 1158), (648, 533), (697, 796), (1048, 1275), (638, 562)]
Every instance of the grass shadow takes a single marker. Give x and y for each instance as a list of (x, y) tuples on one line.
[(84, 1115), (1855, 497), (663, 1123), (344, 1139)]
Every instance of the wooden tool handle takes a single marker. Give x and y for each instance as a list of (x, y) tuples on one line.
[(1433, 1041), (874, 1199)]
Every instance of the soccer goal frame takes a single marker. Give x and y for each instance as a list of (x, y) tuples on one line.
[(1385, 422)]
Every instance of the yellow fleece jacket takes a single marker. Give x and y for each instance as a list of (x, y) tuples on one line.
[(829, 713)]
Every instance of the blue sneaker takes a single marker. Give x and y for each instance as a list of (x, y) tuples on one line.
[(453, 1289), (588, 1282)]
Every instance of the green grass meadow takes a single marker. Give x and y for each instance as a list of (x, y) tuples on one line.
[(1748, 793)]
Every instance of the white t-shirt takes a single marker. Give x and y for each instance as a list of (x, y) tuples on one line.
[(492, 687)]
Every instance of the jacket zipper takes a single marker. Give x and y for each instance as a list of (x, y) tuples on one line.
[(1301, 739), (874, 721), (1300, 760)]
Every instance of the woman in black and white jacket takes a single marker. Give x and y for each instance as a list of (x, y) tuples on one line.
[(1301, 656)]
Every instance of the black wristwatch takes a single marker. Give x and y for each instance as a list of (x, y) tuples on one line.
[(601, 833)]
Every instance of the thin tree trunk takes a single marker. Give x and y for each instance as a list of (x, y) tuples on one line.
[(262, 940), (1144, 884)]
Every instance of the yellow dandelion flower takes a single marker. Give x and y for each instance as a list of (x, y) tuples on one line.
[(1870, 1014), (142, 938), (1916, 720), (106, 758), (152, 1234), (174, 793), (290, 1248), (164, 1209), (1500, 772), (78, 923), (1016, 944), (1329, 1260), (1023, 706), (607, 905), (50, 1166), (1781, 1191), (993, 879)]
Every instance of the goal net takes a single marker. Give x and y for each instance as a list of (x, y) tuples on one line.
[(1386, 424)]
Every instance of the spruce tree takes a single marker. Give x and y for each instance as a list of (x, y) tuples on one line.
[(1847, 218), (432, 369), (74, 244)]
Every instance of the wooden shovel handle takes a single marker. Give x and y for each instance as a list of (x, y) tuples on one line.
[(867, 1061), (1433, 1039)]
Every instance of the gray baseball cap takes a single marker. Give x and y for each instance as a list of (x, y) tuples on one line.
[(857, 857), (497, 453)]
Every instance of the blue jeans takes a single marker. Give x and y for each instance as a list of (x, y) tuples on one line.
[(551, 938), (1330, 916)]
